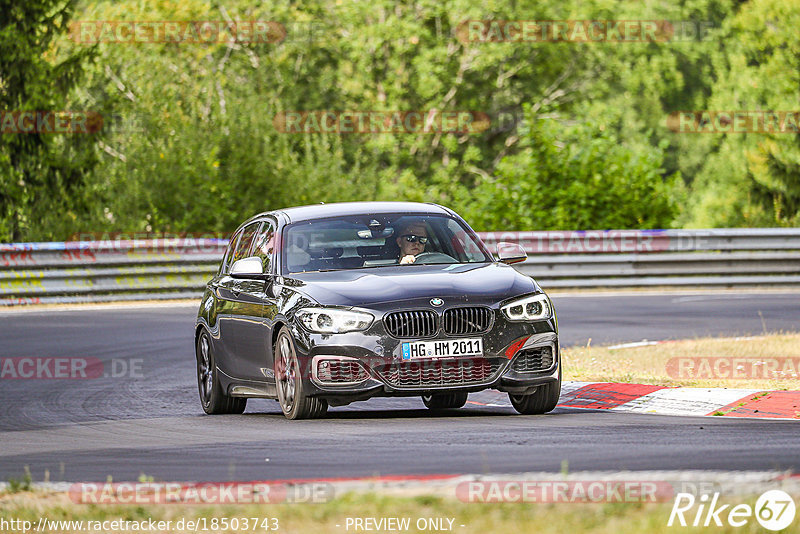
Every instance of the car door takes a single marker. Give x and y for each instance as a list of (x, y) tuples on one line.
[(258, 308), (234, 310), (220, 285)]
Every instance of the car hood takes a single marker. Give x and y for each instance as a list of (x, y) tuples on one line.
[(363, 287)]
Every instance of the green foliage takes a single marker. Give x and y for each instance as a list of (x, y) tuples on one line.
[(753, 179), (573, 176), (42, 176), (190, 144), (16, 485)]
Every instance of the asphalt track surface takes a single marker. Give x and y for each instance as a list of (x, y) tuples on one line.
[(152, 423)]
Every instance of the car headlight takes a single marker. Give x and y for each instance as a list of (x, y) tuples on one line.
[(334, 321), (533, 308)]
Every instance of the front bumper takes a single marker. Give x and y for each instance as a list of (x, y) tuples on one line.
[(517, 358)]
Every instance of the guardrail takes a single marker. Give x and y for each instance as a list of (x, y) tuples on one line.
[(116, 270), (111, 270), (648, 258)]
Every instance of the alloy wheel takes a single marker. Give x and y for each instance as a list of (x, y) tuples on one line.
[(287, 375), (205, 370)]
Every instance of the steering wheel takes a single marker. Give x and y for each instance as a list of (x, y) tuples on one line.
[(434, 257)]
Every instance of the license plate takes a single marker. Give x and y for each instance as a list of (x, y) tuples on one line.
[(445, 348)]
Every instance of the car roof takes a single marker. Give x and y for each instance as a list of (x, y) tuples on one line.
[(321, 211)]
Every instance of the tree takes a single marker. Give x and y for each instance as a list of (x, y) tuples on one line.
[(753, 179), (42, 175), (573, 176)]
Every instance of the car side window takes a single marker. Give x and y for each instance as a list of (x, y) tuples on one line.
[(245, 242), (226, 260), (265, 245)]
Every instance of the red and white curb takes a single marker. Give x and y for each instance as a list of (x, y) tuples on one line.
[(650, 399)]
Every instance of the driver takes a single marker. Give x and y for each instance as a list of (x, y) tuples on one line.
[(412, 241)]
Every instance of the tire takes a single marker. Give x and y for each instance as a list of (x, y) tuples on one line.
[(543, 400), (212, 398), (294, 402), (445, 401)]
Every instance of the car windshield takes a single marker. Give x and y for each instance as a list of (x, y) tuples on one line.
[(358, 242)]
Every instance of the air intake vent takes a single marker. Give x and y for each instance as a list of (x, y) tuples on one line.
[(440, 372), (411, 324), (340, 371), (473, 320), (533, 360)]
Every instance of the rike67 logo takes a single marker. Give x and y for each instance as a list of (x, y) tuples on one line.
[(774, 510)]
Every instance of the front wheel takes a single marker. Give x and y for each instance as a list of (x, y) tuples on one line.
[(291, 395), (445, 401), (212, 397), (543, 400)]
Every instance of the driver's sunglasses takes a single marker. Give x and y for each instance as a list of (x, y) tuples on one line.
[(411, 238)]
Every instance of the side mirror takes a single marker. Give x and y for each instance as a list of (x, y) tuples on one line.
[(249, 268), (511, 252)]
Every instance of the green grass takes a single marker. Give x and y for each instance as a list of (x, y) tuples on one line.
[(322, 518), (649, 364)]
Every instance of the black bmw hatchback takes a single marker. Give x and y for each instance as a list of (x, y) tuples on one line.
[(324, 305)]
